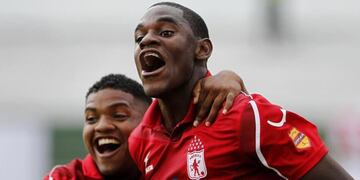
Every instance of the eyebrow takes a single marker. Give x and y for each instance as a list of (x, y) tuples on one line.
[(116, 104), (167, 19), (139, 26)]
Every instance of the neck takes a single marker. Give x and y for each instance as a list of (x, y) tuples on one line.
[(129, 175), (174, 105)]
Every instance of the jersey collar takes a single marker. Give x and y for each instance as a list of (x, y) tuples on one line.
[(90, 169), (152, 117)]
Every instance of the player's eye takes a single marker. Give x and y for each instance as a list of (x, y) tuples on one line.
[(120, 116), (138, 39), (167, 33), (90, 119)]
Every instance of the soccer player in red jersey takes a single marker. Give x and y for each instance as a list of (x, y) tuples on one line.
[(114, 107), (254, 140)]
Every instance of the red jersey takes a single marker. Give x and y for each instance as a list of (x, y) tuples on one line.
[(254, 140), (77, 169)]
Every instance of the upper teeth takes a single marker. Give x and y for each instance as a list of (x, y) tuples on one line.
[(107, 141), (152, 54)]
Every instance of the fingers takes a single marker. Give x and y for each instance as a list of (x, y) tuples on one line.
[(212, 92), (196, 91), (204, 105), (229, 102), (243, 88), (203, 97), (199, 95), (214, 110), (214, 103)]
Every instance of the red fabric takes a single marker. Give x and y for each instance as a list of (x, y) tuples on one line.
[(227, 149), (77, 169)]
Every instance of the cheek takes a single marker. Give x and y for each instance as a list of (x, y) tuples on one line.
[(87, 134), (185, 58), (127, 128), (138, 66), (184, 69), (136, 54)]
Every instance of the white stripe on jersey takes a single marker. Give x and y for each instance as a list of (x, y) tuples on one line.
[(257, 139), (52, 171)]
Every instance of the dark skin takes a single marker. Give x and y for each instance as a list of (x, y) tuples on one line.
[(175, 42), (114, 114), (212, 93), (164, 30), (212, 101), (327, 168)]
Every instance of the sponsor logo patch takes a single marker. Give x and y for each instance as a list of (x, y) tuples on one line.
[(196, 166), (300, 140)]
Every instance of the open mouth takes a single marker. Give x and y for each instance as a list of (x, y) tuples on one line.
[(151, 61), (107, 145)]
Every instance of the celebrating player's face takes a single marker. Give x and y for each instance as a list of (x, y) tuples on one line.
[(164, 51), (110, 116)]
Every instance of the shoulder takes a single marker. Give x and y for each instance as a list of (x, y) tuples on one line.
[(150, 120), (240, 103), (140, 133), (273, 118), (243, 101), (243, 107), (137, 142), (75, 169), (281, 135), (66, 171)]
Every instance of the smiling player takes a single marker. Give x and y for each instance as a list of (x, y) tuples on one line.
[(255, 140), (114, 106)]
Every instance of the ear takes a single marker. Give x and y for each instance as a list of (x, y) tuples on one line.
[(203, 49)]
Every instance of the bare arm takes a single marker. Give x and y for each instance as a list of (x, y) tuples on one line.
[(327, 169), (211, 92)]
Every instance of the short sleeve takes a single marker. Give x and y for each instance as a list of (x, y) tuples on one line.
[(285, 142), (59, 172)]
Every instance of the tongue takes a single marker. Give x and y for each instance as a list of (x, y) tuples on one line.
[(152, 63)]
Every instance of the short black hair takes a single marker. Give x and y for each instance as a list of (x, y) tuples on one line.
[(122, 83), (195, 21)]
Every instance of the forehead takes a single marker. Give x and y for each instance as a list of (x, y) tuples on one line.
[(109, 97), (163, 13)]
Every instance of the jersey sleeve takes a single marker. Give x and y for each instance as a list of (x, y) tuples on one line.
[(285, 142), (59, 172), (73, 171)]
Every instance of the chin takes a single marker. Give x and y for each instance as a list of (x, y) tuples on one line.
[(123, 169), (154, 92), (108, 170)]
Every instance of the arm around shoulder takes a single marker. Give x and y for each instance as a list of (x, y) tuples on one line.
[(215, 92)]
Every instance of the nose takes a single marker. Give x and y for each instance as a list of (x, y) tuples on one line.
[(150, 39), (104, 125)]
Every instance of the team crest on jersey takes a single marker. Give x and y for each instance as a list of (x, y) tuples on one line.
[(300, 140), (196, 166)]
